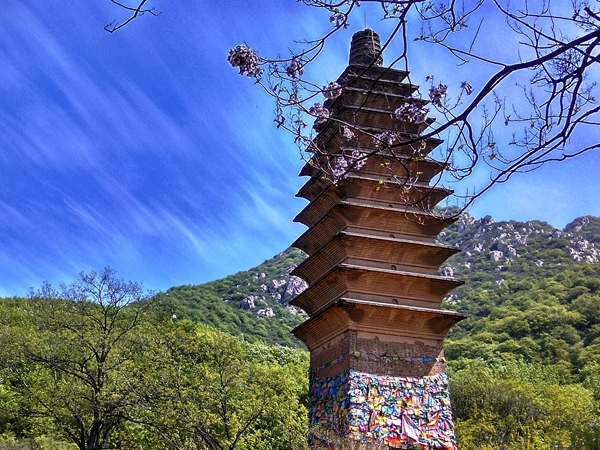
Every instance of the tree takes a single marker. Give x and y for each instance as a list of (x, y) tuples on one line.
[(504, 110), (207, 390), (553, 65), (518, 405), (71, 353)]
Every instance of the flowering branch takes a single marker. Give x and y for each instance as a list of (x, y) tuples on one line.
[(550, 114)]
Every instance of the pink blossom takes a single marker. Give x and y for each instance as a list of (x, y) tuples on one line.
[(339, 19), (467, 87), (340, 167), (436, 93), (342, 164), (320, 112), (246, 59), (295, 69), (348, 133), (332, 90), (359, 158), (411, 112), (385, 138)]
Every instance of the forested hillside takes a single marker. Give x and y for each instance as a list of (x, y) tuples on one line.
[(524, 364), (128, 371), (252, 303), (507, 267), (531, 291), (92, 366)]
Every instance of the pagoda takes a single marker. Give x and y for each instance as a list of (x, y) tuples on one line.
[(376, 328)]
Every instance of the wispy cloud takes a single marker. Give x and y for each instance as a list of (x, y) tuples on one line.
[(145, 150)]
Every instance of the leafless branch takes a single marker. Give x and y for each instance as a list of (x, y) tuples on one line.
[(551, 110), (136, 11)]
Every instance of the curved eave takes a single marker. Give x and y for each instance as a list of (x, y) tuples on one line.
[(359, 315), (370, 219), (374, 251), (371, 186), (371, 190), (375, 284), (330, 140), (378, 97), (381, 166), (355, 74), (362, 117)]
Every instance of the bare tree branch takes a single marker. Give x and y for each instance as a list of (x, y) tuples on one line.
[(549, 113), (136, 11)]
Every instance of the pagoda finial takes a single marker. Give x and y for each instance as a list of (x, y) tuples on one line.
[(365, 49)]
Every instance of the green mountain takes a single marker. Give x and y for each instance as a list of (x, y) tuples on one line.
[(531, 291), (524, 366), (252, 303)]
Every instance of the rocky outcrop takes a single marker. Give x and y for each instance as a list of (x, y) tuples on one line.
[(267, 312), (577, 225), (465, 222), (521, 241), (293, 287), (584, 251), (276, 284), (447, 272), (492, 251), (507, 249), (248, 303), (293, 310), (495, 255)]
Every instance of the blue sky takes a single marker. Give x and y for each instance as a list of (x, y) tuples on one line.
[(145, 151)]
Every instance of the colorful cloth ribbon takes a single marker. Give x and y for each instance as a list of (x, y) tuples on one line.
[(403, 412)]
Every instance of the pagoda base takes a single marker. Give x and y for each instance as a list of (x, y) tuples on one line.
[(357, 410)]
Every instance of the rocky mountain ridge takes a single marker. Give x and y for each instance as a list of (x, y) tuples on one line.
[(256, 302), (518, 248), (282, 289), (507, 237)]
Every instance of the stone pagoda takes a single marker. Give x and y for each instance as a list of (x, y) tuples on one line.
[(375, 327)]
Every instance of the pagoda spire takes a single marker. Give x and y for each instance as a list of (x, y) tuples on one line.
[(376, 327), (365, 49)]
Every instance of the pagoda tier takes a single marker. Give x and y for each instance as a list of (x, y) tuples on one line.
[(382, 166), (371, 98), (373, 320), (374, 220), (373, 191), (391, 287), (410, 144), (374, 251), (361, 116), (374, 293)]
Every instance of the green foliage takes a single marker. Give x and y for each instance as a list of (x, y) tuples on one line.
[(68, 356), (39, 443), (68, 366), (495, 408), (553, 321), (524, 365), (209, 390), (219, 303)]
